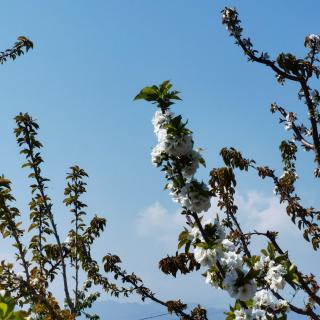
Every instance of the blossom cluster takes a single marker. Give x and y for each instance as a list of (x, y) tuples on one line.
[(315, 97), (223, 253), (175, 142), (175, 153), (290, 118), (286, 182), (312, 41), (235, 271), (300, 130), (263, 307), (274, 272), (231, 21)]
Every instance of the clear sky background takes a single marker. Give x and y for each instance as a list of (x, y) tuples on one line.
[(89, 61)]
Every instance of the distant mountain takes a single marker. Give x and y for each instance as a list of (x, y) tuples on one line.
[(111, 310)]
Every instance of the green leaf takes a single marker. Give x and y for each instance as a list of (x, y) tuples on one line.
[(148, 94), (264, 252), (3, 308)]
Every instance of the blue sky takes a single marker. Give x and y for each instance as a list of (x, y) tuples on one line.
[(89, 61)]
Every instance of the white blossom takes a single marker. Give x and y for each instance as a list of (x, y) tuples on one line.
[(193, 197), (228, 19), (247, 291), (68, 240), (206, 257), (220, 232), (262, 263), (288, 126), (34, 281), (283, 304), (275, 190), (162, 136), (157, 155), (198, 202), (177, 195), (315, 96), (174, 145), (227, 14), (242, 314), (244, 293), (210, 281), (227, 244), (291, 116), (195, 234), (259, 314), (178, 145), (309, 132), (159, 119), (2, 293), (280, 79), (191, 169), (231, 259), (274, 276), (263, 298), (20, 275), (289, 175), (230, 281), (312, 41)]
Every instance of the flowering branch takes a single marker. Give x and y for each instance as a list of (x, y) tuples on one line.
[(250, 279), (287, 67)]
